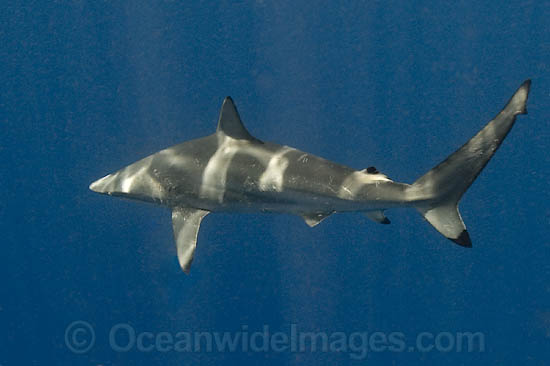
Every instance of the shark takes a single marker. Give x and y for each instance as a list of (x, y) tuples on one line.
[(233, 171)]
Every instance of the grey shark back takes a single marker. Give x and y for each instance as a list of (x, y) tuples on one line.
[(231, 170)]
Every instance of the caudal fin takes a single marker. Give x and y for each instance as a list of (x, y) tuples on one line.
[(439, 190)]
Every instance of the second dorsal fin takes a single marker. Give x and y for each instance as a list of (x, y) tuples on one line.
[(230, 123), (377, 216)]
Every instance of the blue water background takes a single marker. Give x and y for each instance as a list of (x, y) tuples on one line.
[(87, 87)]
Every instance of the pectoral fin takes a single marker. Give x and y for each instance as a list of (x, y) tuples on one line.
[(186, 223), (377, 216)]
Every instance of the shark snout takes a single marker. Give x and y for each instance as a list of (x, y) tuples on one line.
[(130, 182), (102, 185)]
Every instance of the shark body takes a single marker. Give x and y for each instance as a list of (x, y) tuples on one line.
[(233, 171)]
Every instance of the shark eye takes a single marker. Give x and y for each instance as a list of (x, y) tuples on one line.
[(372, 170)]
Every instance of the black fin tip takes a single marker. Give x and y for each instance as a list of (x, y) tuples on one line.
[(463, 239)]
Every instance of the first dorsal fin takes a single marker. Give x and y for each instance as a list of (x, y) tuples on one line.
[(314, 218), (230, 123)]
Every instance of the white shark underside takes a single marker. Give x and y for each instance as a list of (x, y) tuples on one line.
[(233, 171)]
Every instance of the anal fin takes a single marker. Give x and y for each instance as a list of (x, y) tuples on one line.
[(314, 218), (377, 216), (186, 223)]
